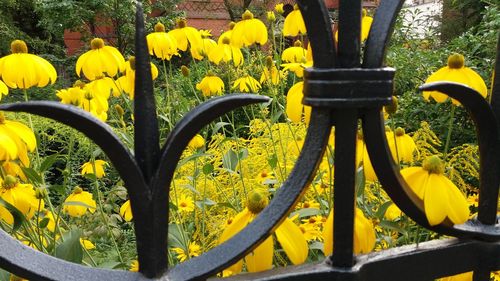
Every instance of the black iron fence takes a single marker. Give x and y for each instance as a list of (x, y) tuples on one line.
[(343, 87)]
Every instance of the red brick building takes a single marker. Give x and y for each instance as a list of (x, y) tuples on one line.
[(202, 14)]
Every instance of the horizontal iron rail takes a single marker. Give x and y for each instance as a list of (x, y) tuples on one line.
[(426, 261)]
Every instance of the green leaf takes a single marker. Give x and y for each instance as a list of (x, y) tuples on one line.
[(175, 236), (360, 182), (208, 168), (78, 203), (48, 162), (4, 275), (243, 154), (307, 212), (382, 209), (230, 160), (192, 157), (16, 214), (392, 225), (59, 188), (206, 202), (227, 205), (71, 249), (273, 161), (44, 222), (112, 265), (32, 175), (218, 126)]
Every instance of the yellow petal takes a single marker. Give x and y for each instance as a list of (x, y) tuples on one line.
[(292, 241), (261, 258), (435, 200)]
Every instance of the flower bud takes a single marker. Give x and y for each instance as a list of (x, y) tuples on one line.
[(185, 71)]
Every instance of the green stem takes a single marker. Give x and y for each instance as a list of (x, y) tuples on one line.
[(450, 129)]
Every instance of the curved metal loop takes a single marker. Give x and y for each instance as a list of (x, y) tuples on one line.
[(259, 229), (319, 31), (380, 33), (97, 131), (119, 156), (489, 146), (33, 265), (175, 144), (396, 187)]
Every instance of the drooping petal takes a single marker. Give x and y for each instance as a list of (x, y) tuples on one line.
[(292, 241), (435, 200), (261, 258)]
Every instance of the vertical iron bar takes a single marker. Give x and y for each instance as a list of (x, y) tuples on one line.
[(488, 197), (146, 133), (349, 33), (346, 129)]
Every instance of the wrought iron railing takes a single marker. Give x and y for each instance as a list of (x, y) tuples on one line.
[(342, 87)]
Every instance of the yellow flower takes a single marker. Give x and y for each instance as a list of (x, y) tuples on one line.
[(73, 95), (3, 89), (98, 170), (393, 212), (227, 34), (16, 139), (127, 82), (226, 52), (87, 244), (186, 35), (13, 169), (134, 266), (467, 276), (296, 67), (249, 31), (96, 104), (185, 204), (272, 75), (287, 233), (193, 250), (294, 54), (101, 60), (442, 199), (270, 16), (161, 44), (294, 106), (279, 8), (196, 142), (78, 202), (247, 84), (294, 23), (126, 211), (404, 147), (23, 70), (455, 71), (364, 234), (21, 196), (207, 46), (102, 87), (210, 85)]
